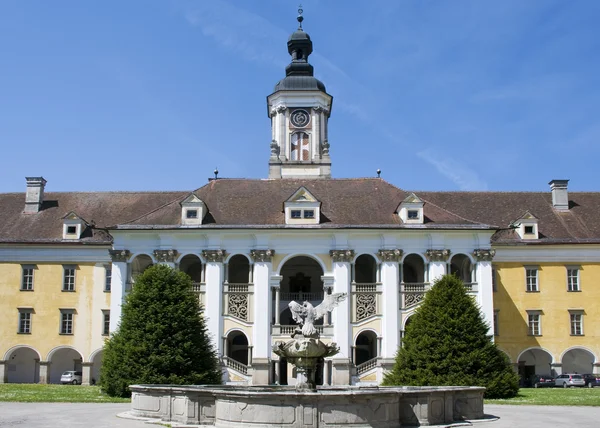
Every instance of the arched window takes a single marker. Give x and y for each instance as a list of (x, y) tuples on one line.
[(300, 148)]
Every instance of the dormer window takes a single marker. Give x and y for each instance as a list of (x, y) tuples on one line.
[(73, 226), (526, 226), (302, 208), (410, 210), (193, 211)]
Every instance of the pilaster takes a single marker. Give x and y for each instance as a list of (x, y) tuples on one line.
[(341, 316), (485, 295), (3, 371), (44, 371), (390, 302), (213, 309), (437, 263), (118, 282), (86, 373), (261, 331)]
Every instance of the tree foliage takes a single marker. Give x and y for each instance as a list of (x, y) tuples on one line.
[(446, 343), (162, 337)]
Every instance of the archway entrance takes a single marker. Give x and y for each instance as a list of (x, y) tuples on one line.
[(577, 361), (365, 347), (22, 366), (192, 265), (460, 265), (237, 347), (96, 366), (62, 360), (534, 362), (301, 281)]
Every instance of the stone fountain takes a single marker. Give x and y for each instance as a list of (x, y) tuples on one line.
[(305, 405)]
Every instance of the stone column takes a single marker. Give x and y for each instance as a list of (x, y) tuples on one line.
[(341, 316), (3, 371), (316, 143), (277, 303), (214, 295), (556, 369), (328, 282), (45, 371), (485, 294), (276, 369), (118, 282), (326, 373), (86, 373), (437, 263), (390, 332), (166, 257), (261, 331), (282, 138)]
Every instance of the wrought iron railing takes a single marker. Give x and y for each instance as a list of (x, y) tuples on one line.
[(235, 365), (366, 366)]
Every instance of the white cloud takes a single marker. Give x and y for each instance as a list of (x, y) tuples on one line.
[(457, 172)]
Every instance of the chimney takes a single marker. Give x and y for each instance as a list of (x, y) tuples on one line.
[(35, 194), (560, 196)]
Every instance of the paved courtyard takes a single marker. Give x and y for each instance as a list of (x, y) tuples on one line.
[(100, 415)]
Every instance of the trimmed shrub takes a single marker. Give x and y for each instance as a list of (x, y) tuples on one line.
[(162, 337), (447, 343)]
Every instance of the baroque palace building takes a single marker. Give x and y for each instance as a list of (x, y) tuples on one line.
[(530, 260)]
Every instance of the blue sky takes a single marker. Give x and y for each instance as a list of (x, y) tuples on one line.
[(440, 95)]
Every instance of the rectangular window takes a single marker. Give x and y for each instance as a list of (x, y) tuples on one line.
[(105, 322), (66, 321), (529, 230), (413, 214), (534, 324), (107, 278), (27, 278), (24, 321), (68, 278), (576, 323), (296, 214), (573, 279), (531, 275), (496, 332), (494, 279), (309, 214), (191, 213), (71, 230)]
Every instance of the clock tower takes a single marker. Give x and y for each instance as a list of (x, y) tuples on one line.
[(299, 109)]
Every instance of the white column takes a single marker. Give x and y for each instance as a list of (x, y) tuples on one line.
[(390, 302), (214, 295), (437, 263), (485, 296), (118, 282), (277, 304), (282, 135), (341, 372), (316, 140)]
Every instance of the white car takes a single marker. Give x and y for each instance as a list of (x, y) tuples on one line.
[(71, 377), (572, 380)]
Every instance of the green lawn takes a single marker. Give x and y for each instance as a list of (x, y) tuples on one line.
[(554, 397), (33, 393)]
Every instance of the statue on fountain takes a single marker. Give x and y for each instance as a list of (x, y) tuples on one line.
[(306, 350)]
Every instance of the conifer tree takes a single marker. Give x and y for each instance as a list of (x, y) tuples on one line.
[(447, 343), (162, 337)]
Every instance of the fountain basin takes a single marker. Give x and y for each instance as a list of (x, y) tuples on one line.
[(274, 407)]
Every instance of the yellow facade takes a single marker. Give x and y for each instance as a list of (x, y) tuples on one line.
[(555, 349), (56, 352)]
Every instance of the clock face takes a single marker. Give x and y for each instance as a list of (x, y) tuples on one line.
[(300, 118)]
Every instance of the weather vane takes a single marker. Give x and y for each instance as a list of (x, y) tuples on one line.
[(300, 17)]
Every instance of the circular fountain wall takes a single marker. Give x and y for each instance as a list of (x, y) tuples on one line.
[(270, 407)]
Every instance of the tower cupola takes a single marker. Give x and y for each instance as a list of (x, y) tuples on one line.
[(299, 109)]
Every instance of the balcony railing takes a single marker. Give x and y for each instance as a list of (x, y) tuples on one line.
[(365, 300), (235, 365), (237, 300), (197, 287), (413, 293), (287, 330), (366, 366), (301, 297)]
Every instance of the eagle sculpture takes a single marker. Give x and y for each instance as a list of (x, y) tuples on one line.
[(306, 314)]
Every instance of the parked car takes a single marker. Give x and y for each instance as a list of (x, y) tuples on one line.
[(540, 381), (591, 380), (72, 377), (572, 380)]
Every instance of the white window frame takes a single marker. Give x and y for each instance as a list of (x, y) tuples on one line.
[(24, 325), (532, 283), (534, 323), (107, 278), (69, 278), (27, 277), (576, 322), (67, 322), (573, 281)]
